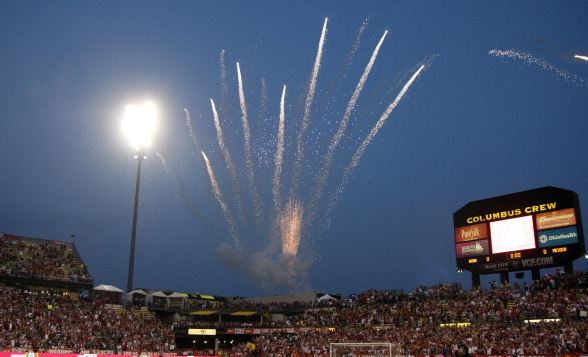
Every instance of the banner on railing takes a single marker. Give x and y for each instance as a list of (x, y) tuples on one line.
[(46, 354)]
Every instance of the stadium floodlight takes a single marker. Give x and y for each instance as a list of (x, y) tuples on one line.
[(138, 125)]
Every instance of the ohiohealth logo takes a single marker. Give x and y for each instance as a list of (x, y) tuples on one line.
[(561, 236)]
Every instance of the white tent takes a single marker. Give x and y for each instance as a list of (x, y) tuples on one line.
[(138, 291), (157, 299), (137, 297), (178, 295), (158, 294), (326, 297), (177, 300), (109, 288)]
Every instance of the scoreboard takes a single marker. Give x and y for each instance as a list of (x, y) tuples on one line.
[(538, 228)]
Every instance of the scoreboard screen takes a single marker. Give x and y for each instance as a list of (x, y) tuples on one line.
[(532, 229)]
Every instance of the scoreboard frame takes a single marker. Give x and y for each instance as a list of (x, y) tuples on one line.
[(552, 215)]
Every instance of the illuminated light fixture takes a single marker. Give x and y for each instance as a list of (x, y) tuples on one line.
[(139, 124), (584, 58)]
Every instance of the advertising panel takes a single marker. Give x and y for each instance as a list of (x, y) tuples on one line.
[(60, 354), (473, 232), (559, 236), (202, 331), (560, 218), (472, 249)]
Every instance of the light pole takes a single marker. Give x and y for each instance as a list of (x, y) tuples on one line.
[(138, 125)]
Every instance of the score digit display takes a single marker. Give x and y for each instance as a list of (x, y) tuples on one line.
[(531, 229)]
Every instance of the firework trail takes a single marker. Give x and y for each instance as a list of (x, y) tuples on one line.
[(227, 156), (532, 60), (279, 152), (356, 43), (307, 106), (262, 149), (221, 201), (181, 193), (263, 99), (223, 83), (336, 140), (362, 147), (331, 94), (191, 130), (247, 139), (290, 222)]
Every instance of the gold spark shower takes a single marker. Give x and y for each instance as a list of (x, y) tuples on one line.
[(282, 262), (290, 222)]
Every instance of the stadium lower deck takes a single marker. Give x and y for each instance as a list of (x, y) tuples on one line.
[(47, 312)]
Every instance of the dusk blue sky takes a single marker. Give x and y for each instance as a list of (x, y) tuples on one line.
[(472, 126)]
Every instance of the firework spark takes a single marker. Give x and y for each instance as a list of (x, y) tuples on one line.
[(221, 201), (223, 83), (357, 41), (307, 107), (247, 139), (290, 222), (336, 140), (279, 152), (362, 147), (529, 59), (191, 130), (282, 262), (227, 156)]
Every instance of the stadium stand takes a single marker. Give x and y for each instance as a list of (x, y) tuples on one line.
[(547, 318), (42, 262), (43, 308), (41, 320)]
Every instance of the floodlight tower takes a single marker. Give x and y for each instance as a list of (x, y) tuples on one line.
[(138, 125)]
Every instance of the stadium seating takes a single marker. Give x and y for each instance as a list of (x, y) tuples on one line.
[(44, 260), (546, 317)]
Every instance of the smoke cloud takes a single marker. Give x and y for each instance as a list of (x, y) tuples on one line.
[(274, 273)]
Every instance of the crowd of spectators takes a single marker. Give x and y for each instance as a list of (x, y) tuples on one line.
[(546, 317), (41, 259), (565, 337), (425, 321), (47, 320)]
